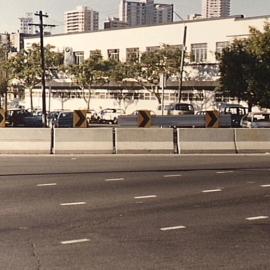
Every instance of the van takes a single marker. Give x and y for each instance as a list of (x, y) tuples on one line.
[(180, 109), (236, 111), (64, 120)]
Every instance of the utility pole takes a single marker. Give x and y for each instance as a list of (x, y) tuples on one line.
[(41, 26), (183, 54)]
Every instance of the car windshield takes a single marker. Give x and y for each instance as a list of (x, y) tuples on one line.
[(183, 107), (261, 118)]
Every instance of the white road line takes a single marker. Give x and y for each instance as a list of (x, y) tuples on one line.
[(75, 241), (73, 203), (257, 218), (46, 185), (172, 175), (211, 190), (223, 172), (145, 197), (114, 179), (172, 228), (268, 185)]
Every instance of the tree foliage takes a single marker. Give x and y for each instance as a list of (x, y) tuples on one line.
[(93, 71), (26, 66), (245, 68), (146, 72)]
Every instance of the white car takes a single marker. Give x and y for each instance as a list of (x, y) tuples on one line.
[(256, 120), (110, 116)]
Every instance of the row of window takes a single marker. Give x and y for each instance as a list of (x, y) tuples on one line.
[(198, 52), (121, 95)]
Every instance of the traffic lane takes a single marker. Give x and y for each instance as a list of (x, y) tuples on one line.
[(213, 236), (94, 191), (38, 165), (100, 188), (75, 228)]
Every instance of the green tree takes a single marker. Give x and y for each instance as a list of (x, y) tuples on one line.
[(93, 71), (245, 68), (147, 71), (26, 67)]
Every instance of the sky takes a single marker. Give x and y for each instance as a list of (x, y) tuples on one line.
[(11, 10)]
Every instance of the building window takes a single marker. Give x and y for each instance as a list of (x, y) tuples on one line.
[(220, 46), (132, 54), (113, 54), (94, 53), (79, 57), (198, 52), (152, 48)]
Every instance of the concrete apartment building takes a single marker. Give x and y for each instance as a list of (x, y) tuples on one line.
[(205, 37), (215, 8), (113, 23), (25, 24), (82, 19), (145, 12)]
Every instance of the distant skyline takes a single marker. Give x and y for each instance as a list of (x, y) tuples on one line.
[(12, 10)]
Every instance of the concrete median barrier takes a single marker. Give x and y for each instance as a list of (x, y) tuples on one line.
[(206, 140), (144, 140), (255, 140), (25, 141), (83, 141)]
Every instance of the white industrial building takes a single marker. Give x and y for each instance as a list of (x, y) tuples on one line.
[(205, 37)]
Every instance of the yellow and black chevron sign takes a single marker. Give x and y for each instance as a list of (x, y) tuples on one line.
[(2, 118), (144, 119), (212, 119), (79, 119)]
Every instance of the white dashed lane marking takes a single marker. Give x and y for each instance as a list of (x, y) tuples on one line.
[(46, 185), (171, 175), (172, 228), (211, 190), (72, 203), (257, 218), (114, 179), (264, 186), (224, 172), (145, 197), (75, 241)]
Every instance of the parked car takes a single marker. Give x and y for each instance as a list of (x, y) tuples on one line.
[(92, 117), (19, 117), (237, 113), (137, 111), (110, 116), (64, 120), (180, 109), (256, 120)]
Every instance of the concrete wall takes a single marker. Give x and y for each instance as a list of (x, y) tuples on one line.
[(134, 140), (206, 140), (144, 140), (255, 140), (25, 140), (83, 141)]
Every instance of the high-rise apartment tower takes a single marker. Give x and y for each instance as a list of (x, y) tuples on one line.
[(145, 12), (82, 19), (25, 24), (215, 8)]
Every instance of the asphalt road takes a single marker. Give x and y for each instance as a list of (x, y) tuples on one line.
[(135, 212)]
